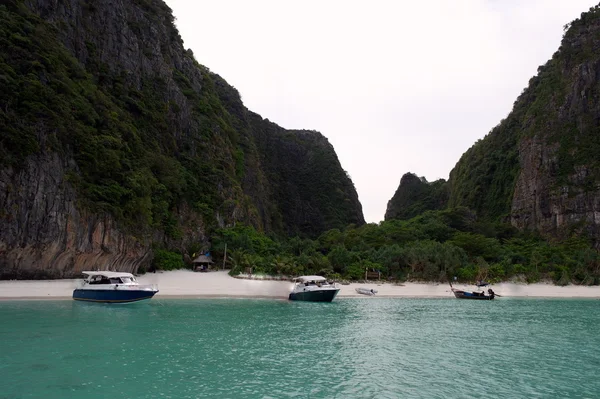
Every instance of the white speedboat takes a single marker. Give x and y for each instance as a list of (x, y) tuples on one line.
[(366, 291), (114, 287), (314, 289)]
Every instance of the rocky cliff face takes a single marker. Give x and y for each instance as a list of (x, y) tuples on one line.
[(539, 168), (115, 139), (308, 182), (45, 235), (558, 187), (560, 210)]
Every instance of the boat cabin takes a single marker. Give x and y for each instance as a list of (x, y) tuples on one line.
[(311, 281), (109, 278), (314, 289)]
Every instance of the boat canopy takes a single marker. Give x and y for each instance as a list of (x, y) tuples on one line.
[(109, 274), (305, 279)]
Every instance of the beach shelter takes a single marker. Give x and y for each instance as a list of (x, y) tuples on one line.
[(202, 263)]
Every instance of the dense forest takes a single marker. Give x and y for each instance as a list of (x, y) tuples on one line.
[(434, 246)]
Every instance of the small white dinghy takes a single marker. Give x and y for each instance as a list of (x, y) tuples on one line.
[(366, 291)]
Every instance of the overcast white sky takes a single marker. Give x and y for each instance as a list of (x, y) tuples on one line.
[(396, 86)]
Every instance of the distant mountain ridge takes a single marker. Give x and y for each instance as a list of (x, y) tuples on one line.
[(416, 195), (116, 140), (539, 169)]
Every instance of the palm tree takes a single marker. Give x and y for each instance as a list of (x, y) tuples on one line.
[(238, 259), (281, 265)]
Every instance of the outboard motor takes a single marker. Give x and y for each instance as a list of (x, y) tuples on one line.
[(491, 292)]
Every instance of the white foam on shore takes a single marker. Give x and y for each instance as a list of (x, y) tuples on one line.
[(185, 283)]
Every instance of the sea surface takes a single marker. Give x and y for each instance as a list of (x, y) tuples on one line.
[(351, 348)]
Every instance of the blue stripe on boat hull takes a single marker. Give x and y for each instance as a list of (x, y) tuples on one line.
[(112, 296)]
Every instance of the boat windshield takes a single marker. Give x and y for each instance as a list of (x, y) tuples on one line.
[(99, 280), (317, 283)]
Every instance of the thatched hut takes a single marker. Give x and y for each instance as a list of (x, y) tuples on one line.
[(202, 263)]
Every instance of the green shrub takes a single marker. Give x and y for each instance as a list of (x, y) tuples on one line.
[(167, 260)]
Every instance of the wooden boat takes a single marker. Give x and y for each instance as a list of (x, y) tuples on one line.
[(478, 294)]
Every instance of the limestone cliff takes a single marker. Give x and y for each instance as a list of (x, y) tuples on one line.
[(539, 169), (115, 139), (45, 235), (416, 195)]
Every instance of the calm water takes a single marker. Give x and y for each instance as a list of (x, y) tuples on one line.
[(351, 348)]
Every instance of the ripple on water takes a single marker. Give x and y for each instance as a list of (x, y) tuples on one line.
[(363, 347)]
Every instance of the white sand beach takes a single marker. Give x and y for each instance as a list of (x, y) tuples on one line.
[(185, 283)]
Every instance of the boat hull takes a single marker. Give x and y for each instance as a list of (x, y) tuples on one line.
[(314, 295), (469, 295), (112, 295)]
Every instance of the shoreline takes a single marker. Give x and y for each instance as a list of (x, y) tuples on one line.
[(185, 284)]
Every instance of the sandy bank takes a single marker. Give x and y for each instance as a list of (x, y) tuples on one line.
[(184, 283)]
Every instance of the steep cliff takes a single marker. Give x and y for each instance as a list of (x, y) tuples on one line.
[(115, 139), (539, 168), (416, 195)]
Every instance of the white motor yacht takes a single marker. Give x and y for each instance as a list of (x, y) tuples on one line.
[(114, 287), (314, 289)]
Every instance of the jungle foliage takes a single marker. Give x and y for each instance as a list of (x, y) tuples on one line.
[(434, 246)]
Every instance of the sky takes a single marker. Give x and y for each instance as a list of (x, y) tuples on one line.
[(396, 86)]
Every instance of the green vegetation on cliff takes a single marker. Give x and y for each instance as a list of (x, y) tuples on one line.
[(161, 143), (556, 115), (485, 176), (119, 137), (538, 169), (416, 195)]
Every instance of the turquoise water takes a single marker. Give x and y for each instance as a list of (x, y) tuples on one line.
[(351, 348)]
